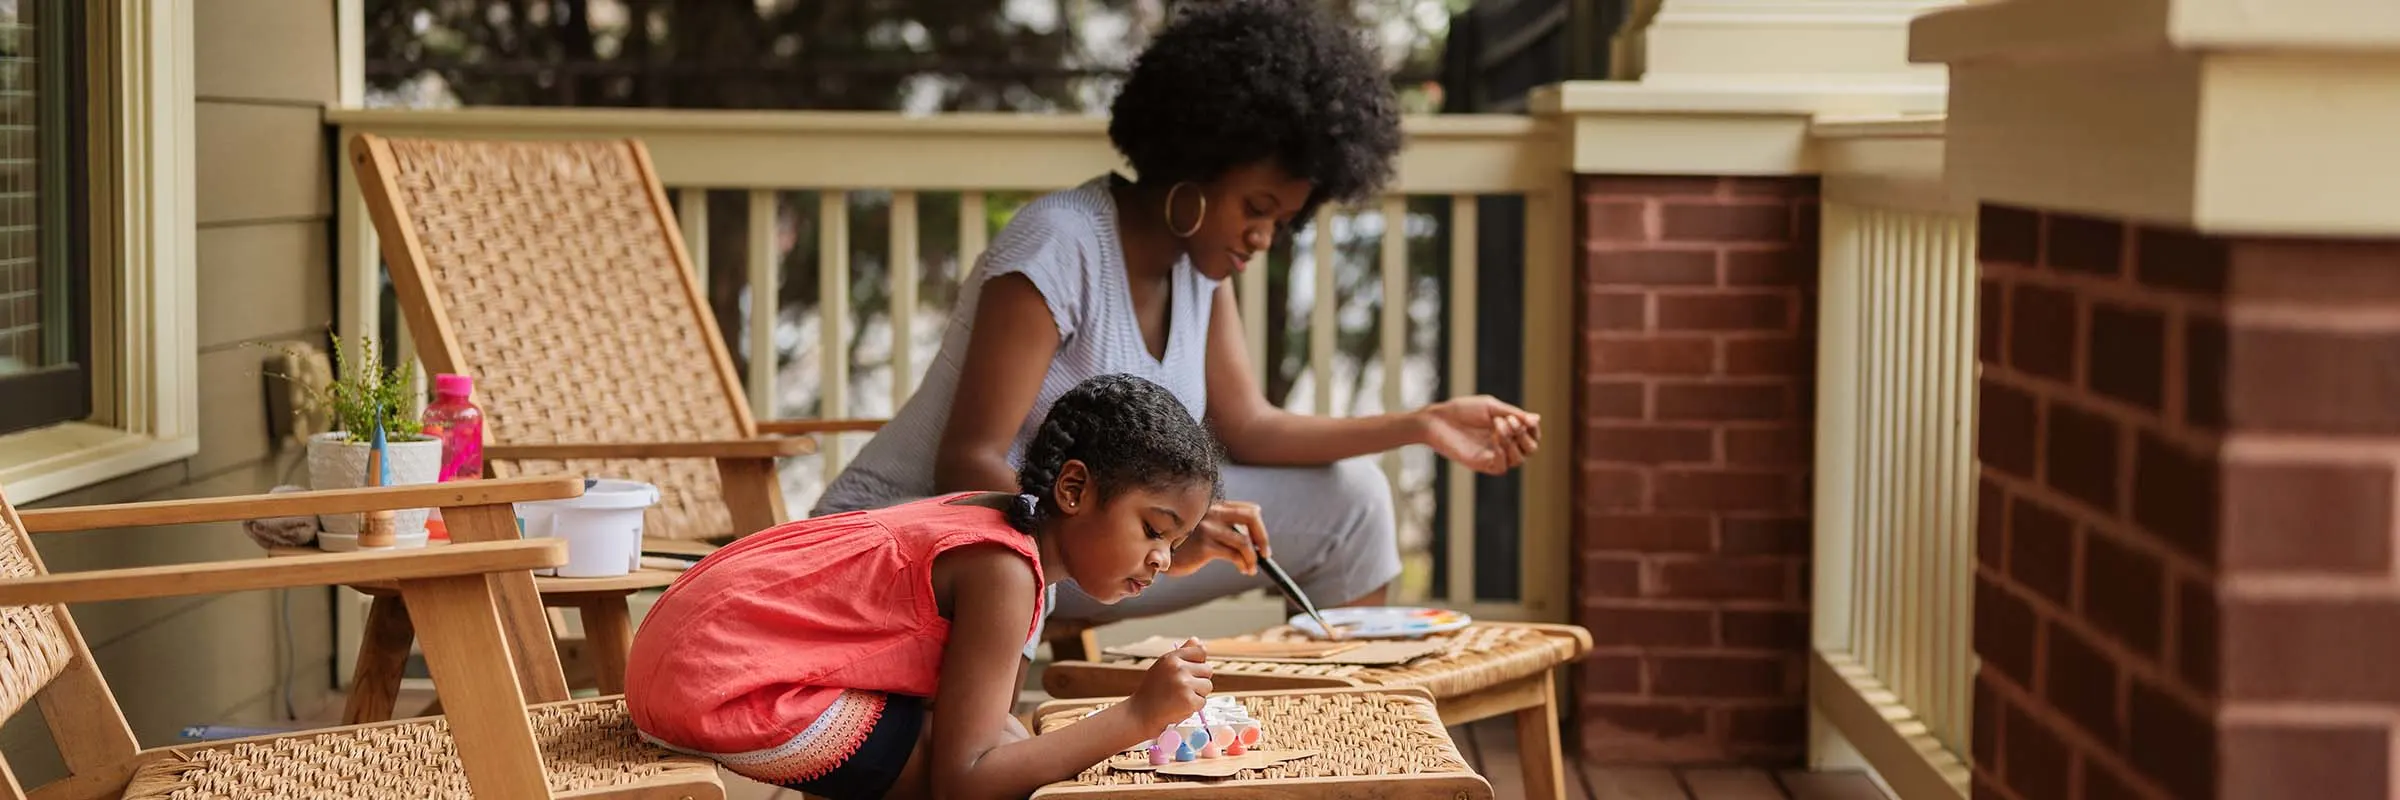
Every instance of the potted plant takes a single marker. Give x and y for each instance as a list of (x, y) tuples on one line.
[(361, 394)]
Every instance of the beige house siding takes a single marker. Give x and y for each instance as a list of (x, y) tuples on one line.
[(263, 71)]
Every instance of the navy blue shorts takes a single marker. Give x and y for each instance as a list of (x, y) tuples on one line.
[(870, 771)]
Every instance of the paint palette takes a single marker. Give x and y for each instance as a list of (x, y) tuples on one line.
[(1384, 622)]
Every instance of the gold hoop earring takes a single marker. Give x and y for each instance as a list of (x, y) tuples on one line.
[(1170, 213)]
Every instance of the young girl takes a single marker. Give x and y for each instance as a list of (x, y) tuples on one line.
[(875, 653)]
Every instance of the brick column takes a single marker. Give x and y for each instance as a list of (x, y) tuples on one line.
[(2185, 584), (1692, 523)]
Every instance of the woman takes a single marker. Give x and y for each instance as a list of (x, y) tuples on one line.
[(1241, 118)]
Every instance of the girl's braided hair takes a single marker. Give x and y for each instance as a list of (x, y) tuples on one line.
[(1129, 432)]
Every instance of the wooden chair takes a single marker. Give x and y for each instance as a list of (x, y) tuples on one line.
[(485, 641), (553, 271)]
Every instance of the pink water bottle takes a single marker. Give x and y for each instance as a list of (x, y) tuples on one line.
[(454, 419)]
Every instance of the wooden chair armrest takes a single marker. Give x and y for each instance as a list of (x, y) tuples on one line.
[(803, 427), (177, 580), (301, 504), (763, 447)]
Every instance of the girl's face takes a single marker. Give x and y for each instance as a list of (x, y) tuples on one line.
[(1115, 549), (1246, 206)]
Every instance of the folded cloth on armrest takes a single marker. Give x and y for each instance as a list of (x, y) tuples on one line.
[(282, 531)]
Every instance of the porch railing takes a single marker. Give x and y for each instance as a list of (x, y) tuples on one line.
[(1895, 471), (1893, 661), (838, 356)]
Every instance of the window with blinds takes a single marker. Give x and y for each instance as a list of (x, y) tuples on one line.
[(45, 305)]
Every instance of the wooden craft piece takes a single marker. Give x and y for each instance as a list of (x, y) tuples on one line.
[(1236, 648), (1220, 767), (1365, 654)]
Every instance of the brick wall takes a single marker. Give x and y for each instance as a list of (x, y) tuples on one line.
[(1692, 524), (2185, 583)]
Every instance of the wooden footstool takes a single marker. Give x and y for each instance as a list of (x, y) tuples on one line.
[(1488, 669), (1370, 742)]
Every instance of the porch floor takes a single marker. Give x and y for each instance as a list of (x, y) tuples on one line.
[(1490, 745)]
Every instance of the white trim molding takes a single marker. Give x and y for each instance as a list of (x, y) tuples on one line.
[(1846, 43), (1731, 87), (2226, 118), (151, 417)]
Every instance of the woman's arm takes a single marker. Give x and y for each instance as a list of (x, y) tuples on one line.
[(1481, 432), (1256, 432), (993, 598), (1006, 360)]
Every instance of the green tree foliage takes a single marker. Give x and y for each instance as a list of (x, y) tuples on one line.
[(1061, 56)]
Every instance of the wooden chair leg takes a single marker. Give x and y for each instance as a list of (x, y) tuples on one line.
[(608, 632), (467, 649), (382, 660), (530, 642), (1537, 745)]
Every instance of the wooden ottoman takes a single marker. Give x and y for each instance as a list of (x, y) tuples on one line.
[(1370, 742), (1485, 670)]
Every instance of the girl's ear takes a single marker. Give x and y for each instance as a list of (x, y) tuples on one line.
[(1074, 491)]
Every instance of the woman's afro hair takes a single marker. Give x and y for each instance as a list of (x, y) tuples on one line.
[(1232, 82)]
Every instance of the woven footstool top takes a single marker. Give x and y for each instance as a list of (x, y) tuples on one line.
[(1370, 742), (585, 745), (1474, 658)]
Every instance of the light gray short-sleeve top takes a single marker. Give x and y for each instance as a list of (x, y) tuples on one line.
[(1066, 244)]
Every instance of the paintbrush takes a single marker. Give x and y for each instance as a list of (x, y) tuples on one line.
[(1291, 589)]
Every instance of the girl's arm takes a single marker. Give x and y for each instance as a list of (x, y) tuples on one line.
[(993, 598), (1006, 359), (1485, 434)]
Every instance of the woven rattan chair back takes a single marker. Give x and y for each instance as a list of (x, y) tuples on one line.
[(36, 642), (43, 656), (553, 273)]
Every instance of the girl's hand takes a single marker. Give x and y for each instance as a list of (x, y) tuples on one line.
[(1175, 687), (1233, 531), (1481, 432)]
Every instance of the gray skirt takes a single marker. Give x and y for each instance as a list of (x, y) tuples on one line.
[(1331, 526)]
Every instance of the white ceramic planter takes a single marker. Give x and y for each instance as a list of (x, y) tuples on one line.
[(335, 463)]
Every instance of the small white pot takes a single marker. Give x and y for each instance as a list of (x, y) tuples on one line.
[(603, 527), (334, 462)]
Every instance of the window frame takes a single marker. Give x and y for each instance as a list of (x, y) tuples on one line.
[(143, 311)]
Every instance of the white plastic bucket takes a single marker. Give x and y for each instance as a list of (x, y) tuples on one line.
[(603, 528)]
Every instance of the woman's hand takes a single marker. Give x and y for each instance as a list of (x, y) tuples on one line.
[(1175, 686), (1483, 433), (1233, 531)]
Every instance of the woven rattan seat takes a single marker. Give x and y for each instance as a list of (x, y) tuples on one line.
[(1484, 670), (1371, 742), (585, 745)]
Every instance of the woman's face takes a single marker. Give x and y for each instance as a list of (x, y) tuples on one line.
[(1115, 549), (1246, 206)]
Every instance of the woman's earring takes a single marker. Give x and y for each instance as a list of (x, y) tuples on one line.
[(1196, 221)]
